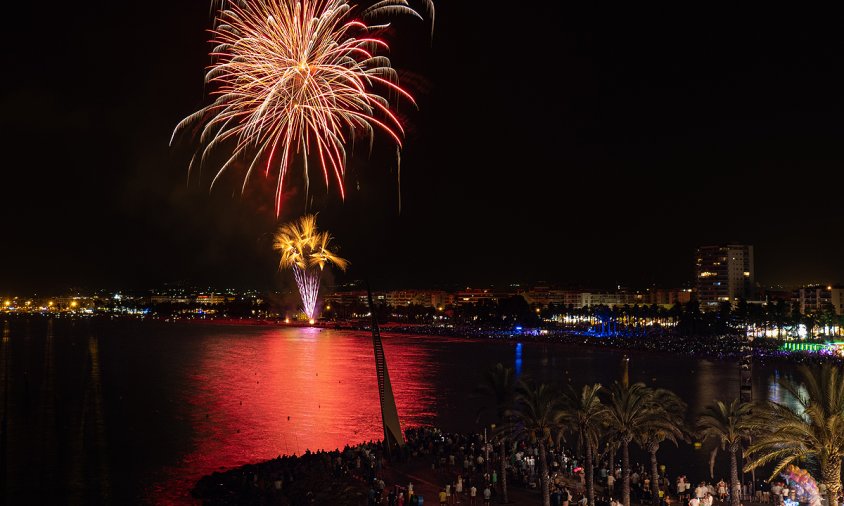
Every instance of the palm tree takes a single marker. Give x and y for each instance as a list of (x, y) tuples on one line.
[(535, 416), (583, 413), (729, 424), (813, 428), (665, 422), (500, 383), (629, 407)]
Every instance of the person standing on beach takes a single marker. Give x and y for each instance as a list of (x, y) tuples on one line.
[(722, 490), (776, 491), (700, 491)]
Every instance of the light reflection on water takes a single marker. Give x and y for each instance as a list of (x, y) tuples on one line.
[(138, 411), (782, 396), (284, 391)]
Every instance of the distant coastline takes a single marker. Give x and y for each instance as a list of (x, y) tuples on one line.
[(716, 348), (711, 347)]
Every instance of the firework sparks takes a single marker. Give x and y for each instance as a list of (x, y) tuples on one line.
[(306, 251), (297, 79)]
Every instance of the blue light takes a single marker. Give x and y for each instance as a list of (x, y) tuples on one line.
[(518, 329)]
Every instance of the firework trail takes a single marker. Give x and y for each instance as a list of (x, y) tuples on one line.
[(306, 251), (297, 79)]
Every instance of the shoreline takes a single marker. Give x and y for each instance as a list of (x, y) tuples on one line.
[(720, 348)]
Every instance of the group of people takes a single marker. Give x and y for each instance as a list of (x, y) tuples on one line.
[(468, 470), (457, 494), (681, 490)]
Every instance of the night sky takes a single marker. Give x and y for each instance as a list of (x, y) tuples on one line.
[(550, 144)]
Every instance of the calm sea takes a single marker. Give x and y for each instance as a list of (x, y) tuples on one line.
[(126, 412)]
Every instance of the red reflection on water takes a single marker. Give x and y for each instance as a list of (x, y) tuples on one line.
[(287, 390)]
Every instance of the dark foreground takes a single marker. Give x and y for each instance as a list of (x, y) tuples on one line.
[(431, 462), (364, 475)]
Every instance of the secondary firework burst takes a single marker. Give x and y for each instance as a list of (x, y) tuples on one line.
[(297, 79), (306, 251)]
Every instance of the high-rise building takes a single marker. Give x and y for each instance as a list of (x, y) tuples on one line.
[(724, 273)]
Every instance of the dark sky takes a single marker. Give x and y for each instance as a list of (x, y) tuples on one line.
[(550, 145)]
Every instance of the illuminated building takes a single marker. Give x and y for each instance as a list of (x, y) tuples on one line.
[(724, 273), (544, 296), (427, 298), (213, 299), (667, 297), (354, 297), (475, 296), (814, 298)]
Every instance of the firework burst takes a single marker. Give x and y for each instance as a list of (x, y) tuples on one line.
[(306, 251), (297, 79)]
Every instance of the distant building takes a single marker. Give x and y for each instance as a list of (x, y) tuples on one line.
[(588, 299), (170, 298), (724, 274), (669, 296), (814, 298), (767, 295), (355, 297), (212, 299), (427, 298), (544, 296), (474, 296)]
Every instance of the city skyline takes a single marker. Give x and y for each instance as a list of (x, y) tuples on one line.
[(700, 280), (613, 174)]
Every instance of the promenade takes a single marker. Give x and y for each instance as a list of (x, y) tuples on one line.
[(430, 462)]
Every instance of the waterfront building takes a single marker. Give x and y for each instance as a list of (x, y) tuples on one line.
[(814, 298), (475, 296), (544, 296), (667, 297), (211, 299), (355, 297), (724, 273), (426, 298)]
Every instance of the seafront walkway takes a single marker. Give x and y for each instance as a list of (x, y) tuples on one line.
[(428, 482), (430, 462)]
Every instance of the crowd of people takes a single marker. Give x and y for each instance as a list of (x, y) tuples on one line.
[(321, 477), (465, 465), (465, 469)]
